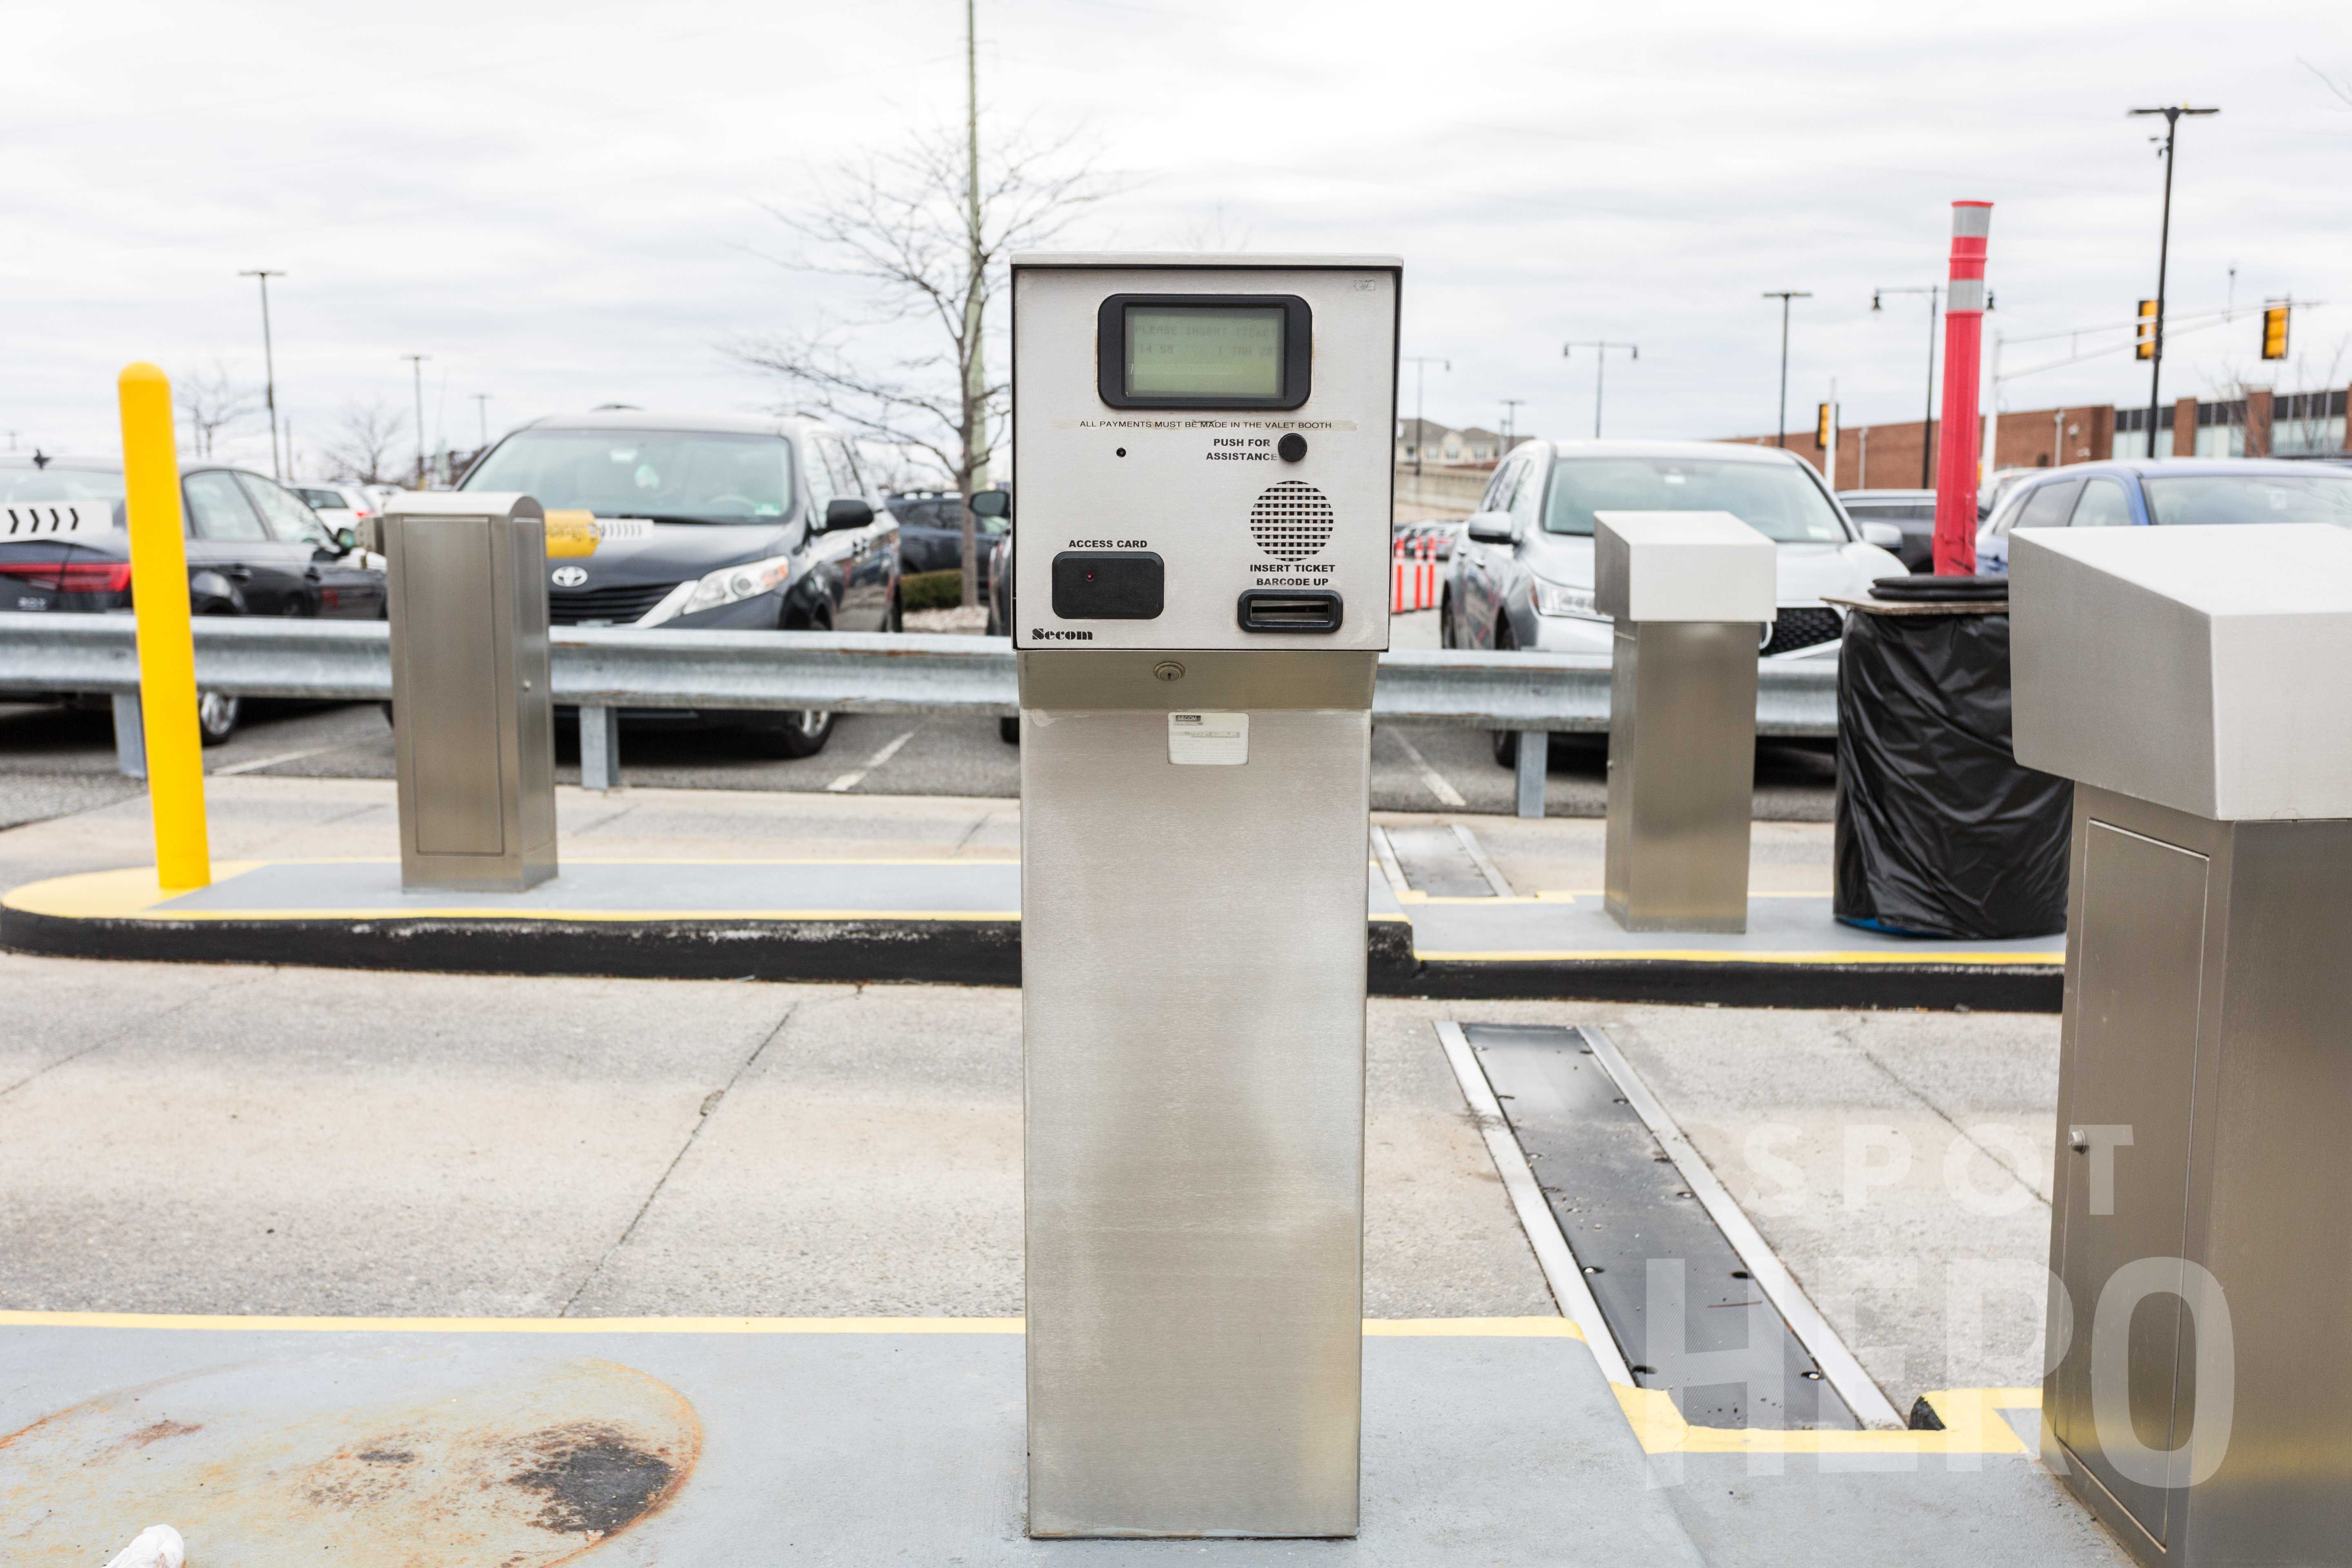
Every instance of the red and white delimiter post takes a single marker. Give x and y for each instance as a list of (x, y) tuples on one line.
[(1956, 455)]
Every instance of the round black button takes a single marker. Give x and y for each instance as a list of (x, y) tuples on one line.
[(1292, 446)]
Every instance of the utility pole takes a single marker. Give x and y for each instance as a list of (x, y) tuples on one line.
[(417, 362), (1600, 348), (2163, 258), (1421, 363), (1935, 292), (1510, 422), (482, 415), (268, 365), (975, 379), (1786, 297)]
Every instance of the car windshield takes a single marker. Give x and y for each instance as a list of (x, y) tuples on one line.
[(1774, 498), (2320, 497), (670, 476), (58, 484)]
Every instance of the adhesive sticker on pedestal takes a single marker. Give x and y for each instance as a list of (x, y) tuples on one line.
[(1213, 739)]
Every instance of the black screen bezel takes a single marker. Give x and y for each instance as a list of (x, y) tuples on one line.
[(1298, 351)]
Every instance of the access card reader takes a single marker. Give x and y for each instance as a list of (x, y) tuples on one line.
[(1203, 451)]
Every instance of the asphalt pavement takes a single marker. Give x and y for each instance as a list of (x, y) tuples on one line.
[(54, 761)]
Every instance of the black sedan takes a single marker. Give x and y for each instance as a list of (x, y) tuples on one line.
[(757, 525), (253, 550), (930, 533)]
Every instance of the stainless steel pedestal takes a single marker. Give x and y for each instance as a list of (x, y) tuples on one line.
[(473, 725), (2204, 1084), (1682, 769), (1193, 986)]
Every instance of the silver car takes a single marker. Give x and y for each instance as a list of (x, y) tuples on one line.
[(1523, 576)]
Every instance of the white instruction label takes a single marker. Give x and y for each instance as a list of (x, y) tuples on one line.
[(1215, 739)]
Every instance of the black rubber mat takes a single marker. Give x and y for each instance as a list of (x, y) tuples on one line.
[(1622, 1204)]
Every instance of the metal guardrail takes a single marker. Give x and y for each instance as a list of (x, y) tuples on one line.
[(603, 669)]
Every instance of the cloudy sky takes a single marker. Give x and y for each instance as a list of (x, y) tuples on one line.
[(567, 205)]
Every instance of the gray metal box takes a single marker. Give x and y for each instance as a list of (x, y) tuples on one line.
[(473, 721), (1194, 859), (2201, 1397), (1688, 592)]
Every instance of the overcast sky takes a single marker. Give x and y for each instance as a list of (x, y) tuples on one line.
[(562, 205)]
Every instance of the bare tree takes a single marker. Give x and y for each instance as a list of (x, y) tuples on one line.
[(360, 448), (930, 229), (213, 403)]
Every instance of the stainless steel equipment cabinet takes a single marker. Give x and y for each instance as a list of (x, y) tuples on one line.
[(2202, 1303), (473, 725), (1688, 590), (1203, 446)]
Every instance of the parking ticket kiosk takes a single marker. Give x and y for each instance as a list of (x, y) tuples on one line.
[(2200, 1396), (473, 720), (1203, 451)]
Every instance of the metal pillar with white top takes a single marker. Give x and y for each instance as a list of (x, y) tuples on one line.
[(2201, 1398), (1688, 590)]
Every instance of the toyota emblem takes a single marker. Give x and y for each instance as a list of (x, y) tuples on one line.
[(569, 576)]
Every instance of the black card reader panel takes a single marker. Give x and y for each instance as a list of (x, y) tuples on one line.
[(1109, 585)]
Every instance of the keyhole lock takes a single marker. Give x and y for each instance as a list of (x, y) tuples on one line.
[(1168, 669)]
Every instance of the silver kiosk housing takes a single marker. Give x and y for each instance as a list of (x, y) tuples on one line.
[(473, 722), (1203, 453), (1687, 591), (2190, 679)]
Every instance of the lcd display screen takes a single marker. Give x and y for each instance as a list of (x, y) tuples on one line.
[(1204, 350)]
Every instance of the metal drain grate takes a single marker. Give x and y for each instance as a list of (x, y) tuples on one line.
[(1292, 520)]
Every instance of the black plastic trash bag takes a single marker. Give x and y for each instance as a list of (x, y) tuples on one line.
[(1940, 832)]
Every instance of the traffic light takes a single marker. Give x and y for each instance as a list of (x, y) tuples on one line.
[(2274, 331), (1824, 420), (2146, 346)]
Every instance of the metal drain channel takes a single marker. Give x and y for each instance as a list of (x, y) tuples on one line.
[(1621, 1186)]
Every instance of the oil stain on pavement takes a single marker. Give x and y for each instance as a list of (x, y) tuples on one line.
[(366, 1460)]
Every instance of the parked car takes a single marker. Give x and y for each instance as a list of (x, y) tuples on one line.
[(996, 506), (930, 533), (1523, 575), (758, 524), (254, 548), (1913, 511), (341, 505), (2138, 492), (1438, 538)]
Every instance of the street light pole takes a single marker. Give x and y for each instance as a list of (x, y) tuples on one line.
[(482, 414), (1599, 347), (1786, 297), (417, 362), (1935, 292), (1510, 422), (1421, 363), (268, 365), (2163, 257)]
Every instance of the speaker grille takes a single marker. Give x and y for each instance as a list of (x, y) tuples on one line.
[(1292, 520)]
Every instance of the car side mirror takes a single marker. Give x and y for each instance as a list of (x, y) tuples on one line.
[(1492, 528), (1884, 535), (992, 503), (847, 512)]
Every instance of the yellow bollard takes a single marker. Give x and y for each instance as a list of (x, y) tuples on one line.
[(167, 654)]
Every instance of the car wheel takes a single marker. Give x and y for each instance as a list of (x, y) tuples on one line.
[(1446, 620), (1008, 729), (794, 735), (897, 620), (216, 714)]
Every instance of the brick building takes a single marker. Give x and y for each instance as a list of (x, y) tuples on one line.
[(2260, 424)]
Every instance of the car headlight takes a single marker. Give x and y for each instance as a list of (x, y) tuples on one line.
[(1551, 599), (727, 585)]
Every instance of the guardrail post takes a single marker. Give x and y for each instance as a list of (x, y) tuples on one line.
[(600, 748), (167, 653), (1535, 763), (130, 738)]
